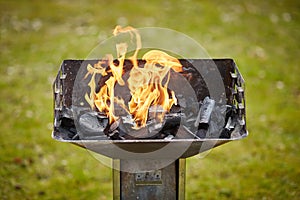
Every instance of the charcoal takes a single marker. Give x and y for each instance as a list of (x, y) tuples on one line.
[(216, 122), (201, 133), (175, 109), (114, 135), (230, 111), (142, 133), (65, 133), (126, 124), (171, 124), (121, 129), (90, 124), (202, 130), (203, 126), (161, 135), (203, 119), (236, 133), (112, 130), (236, 127), (154, 127), (127, 130), (229, 127), (67, 122), (225, 133), (230, 124), (68, 127), (154, 111), (67, 113), (114, 126), (182, 102), (169, 137), (123, 134), (127, 120), (205, 111), (73, 130)]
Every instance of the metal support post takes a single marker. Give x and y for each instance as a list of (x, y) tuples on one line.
[(166, 183)]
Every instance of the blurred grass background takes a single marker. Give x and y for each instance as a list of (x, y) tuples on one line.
[(263, 38)]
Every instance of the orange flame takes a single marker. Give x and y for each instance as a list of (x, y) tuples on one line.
[(148, 85)]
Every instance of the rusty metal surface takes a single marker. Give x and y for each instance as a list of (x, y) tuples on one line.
[(64, 128), (166, 183)]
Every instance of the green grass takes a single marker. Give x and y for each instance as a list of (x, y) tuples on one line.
[(263, 38)]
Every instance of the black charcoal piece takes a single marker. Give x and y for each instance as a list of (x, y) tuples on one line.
[(205, 111), (201, 133), (127, 128), (229, 127), (112, 130), (175, 109), (217, 121), (225, 133), (115, 137), (113, 133), (73, 130), (202, 130), (114, 126), (126, 124), (141, 133), (172, 121), (90, 124), (230, 124), (67, 122), (66, 133), (154, 127)]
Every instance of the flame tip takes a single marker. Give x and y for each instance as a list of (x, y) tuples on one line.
[(144, 83)]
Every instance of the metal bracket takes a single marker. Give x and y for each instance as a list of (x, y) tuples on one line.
[(148, 178)]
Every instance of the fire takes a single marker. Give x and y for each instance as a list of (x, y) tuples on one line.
[(148, 85)]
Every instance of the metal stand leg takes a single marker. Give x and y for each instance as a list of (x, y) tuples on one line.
[(166, 183)]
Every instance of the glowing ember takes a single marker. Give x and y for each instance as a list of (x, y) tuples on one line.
[(148, 85)]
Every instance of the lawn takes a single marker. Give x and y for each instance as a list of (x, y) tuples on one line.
[(261, 36)]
